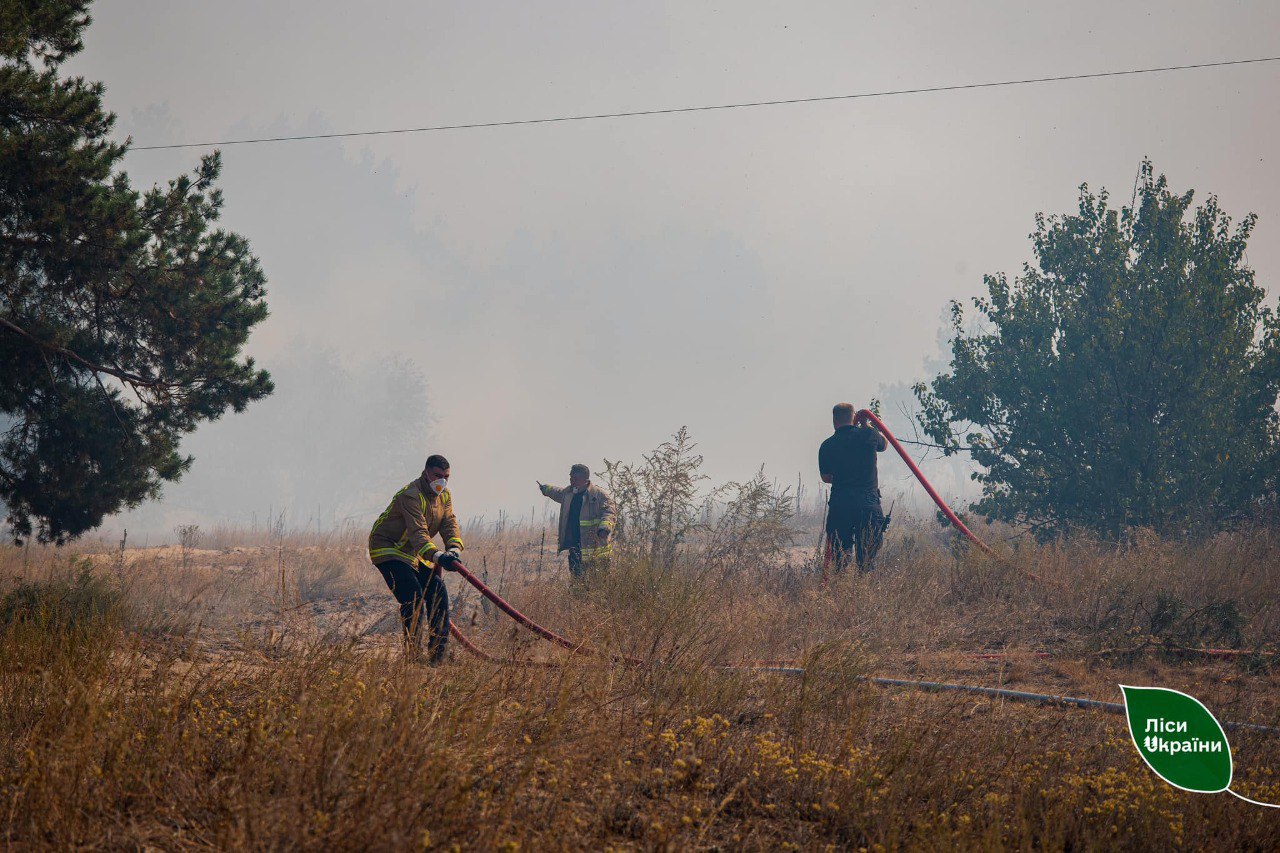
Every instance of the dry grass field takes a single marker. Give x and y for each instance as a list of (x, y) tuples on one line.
[(246, 690)]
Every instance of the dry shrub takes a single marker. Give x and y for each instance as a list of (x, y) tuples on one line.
[(211, 735), (321, 578), (121, 743), (74, 600)]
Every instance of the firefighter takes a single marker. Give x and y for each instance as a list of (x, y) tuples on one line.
[(847, 461), (400, 547), (587, 519)]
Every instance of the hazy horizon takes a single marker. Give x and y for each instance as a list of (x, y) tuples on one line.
[(572, 292)]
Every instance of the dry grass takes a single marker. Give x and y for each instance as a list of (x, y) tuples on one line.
[(243, 701)]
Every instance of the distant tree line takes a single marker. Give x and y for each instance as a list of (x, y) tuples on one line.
[(332, 441)]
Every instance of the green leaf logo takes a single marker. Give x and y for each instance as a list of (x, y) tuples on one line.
[(1178, 738)]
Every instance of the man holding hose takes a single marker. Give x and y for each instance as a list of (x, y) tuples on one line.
[(847, 461), (400, 547)]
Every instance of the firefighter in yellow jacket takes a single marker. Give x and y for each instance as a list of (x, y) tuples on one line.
[(587, 519), (400, 547)]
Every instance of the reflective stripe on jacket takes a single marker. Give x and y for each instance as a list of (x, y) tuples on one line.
[(598, 512), (405, 528)]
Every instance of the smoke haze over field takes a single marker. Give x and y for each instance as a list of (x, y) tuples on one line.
[(557, 293)]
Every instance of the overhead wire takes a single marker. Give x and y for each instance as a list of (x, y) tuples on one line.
[(711, 107)]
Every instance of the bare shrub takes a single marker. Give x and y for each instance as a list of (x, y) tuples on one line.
[(188, 538), (321, 578), (70, 601), (754, 528), (657, 500)]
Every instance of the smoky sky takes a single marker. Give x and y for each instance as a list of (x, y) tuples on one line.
[(578, 291)]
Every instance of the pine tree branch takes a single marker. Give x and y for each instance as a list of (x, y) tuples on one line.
[(134, 379)]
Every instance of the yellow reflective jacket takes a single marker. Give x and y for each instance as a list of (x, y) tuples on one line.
[(598, 513), (404, 530)]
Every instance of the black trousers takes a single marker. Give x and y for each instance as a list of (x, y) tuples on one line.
[(854, 530), (424, 600), (579, 568)]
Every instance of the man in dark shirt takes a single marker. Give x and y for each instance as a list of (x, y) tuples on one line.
[(847, 460), (587, 518), (573, 527)]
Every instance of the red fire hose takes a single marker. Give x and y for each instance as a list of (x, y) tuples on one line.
[(544, 633), (865, 415)]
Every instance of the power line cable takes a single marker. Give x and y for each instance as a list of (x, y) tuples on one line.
[(707, 108)]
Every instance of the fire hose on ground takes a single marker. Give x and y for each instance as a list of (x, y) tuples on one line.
[(790, 667)]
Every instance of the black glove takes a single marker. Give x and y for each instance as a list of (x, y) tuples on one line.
[(446, 559)]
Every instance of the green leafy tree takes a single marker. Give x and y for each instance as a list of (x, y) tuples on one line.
[(1127, 378), (122, 314)]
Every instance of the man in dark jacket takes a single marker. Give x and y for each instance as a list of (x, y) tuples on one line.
[(847, 461)]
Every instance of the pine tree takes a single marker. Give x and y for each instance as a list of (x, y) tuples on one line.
[(122, 314)]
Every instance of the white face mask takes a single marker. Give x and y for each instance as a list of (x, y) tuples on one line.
[(438, 486)]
